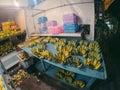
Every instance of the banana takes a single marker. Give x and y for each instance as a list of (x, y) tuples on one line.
[(79, 83)]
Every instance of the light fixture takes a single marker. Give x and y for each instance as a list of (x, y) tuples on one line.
[(16, 3)]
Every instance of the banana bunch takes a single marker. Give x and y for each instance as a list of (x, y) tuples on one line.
[(31, 44), (45, 54), (54, 40), (39, 49), (65, 75), (72, 43), (36, 51), (37, 41), (2, 86), (82, 50), (94, 55), (17, 78), (92, 63), (79, 83), (47, 39), (75, 62), (63, 54), (94, 46), (42, 46), (84, 42), (61, 43), (61, 57), (23, 55)]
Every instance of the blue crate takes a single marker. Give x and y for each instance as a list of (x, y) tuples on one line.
[(70, 24), (70, 30), (70, 27), (42, 19), (43, 30)]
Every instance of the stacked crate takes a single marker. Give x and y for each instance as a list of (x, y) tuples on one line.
[(42, 24), (53, 28), (70, 23)]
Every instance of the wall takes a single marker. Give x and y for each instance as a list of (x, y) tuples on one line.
[(20, 19), (83, 8)]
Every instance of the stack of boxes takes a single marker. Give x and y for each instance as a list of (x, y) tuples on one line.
[(70, 23), (42, 24)]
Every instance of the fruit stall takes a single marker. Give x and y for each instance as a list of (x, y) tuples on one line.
[(61, 37)]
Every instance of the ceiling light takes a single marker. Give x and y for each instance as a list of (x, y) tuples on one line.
[(16, 3)]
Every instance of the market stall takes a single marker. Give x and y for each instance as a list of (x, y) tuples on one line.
[(60, 34)]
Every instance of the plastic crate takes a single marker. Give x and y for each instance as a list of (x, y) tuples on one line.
[(69, 16), (55, 30), (70, 27)]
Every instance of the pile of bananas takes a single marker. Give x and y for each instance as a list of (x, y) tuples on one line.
[(6, 48), (33, 42), (17, 78), (79, 83), (23, 55), (63, 54), (67, 76), (2, 86), (72, 43), (42, 54), (82, 49), (94, 46), (75, 62), (54, 40), (94, 58), (60, 44), (47, 39), (39, 49), (45, 54)]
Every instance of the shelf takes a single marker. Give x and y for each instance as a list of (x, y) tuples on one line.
[(11, 36), (88, 80), (84, 71), (62, 34)]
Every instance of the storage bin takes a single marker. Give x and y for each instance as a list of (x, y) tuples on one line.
[(69, 16), (55, 29), (42, 20), (70, 20), (70, 27)]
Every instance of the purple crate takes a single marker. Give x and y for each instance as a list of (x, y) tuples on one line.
[(69, 16), (70, 20)]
